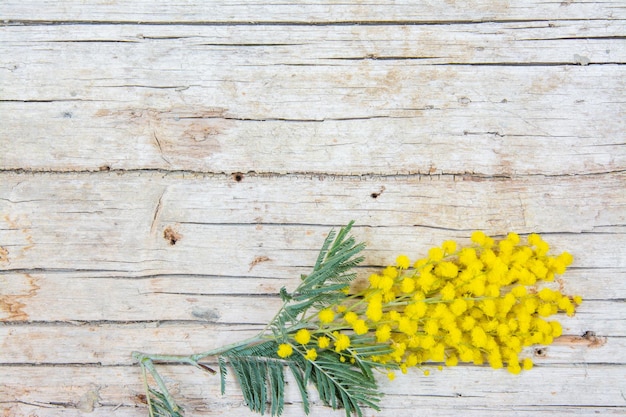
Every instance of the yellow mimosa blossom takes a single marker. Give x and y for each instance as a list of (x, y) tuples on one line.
[(374, 280), (403, 262), (359, 327), (557, 330), (527, 364), (350, 317), (447, 292), (519, 291), (449, 247), (390, 272), (374, 311), (311, 354), (447, 270), (408, 285), (452, 360), (431, 327), (478, 237), (323, 342), (326, 315), (506, 246), (284, 350), (534, 239), (386, 283), (467, 256), (479, 337), (342, 342), (303, 336), (435, 254), (383, 333), (513, 238), (458, 306)]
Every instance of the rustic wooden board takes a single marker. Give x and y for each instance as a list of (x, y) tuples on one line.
[(346, 100), (585, 389), (307, 12), (108, 344), (166, 167), (117, 222)]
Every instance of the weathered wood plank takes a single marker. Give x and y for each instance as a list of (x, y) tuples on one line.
[(111, 343), (295, 410), (91, 234), (595, 285), (432, 144), (306, 11), (112, 223), (205, 99), (581, 42), (584, 389), (130, 300)]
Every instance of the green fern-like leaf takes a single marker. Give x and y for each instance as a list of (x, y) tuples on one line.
[(276, 384), (323, 286), (223, 372), (301, 377), (160, 407), (341, 385), (260, 374)]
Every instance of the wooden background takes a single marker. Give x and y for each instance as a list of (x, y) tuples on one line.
[(167, 166)]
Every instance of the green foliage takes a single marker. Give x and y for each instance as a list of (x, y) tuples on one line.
[(160, 406), (260, 371), (339, 384), (260, 375), (323, 287)]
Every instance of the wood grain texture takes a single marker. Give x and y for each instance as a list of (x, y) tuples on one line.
[(586, 390), (344, 100), (166, 167), (307, 12)]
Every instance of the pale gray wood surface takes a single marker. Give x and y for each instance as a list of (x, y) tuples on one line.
[(166, 167)]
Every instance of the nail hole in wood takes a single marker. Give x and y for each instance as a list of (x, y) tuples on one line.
[(238, 176), (589, 335), (376, 195)]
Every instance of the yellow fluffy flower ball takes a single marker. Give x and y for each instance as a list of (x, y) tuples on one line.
[(284, 350)]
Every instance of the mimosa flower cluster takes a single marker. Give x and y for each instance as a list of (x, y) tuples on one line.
[(482, 303)]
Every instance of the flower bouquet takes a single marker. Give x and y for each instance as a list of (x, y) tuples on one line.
[(482, 303)]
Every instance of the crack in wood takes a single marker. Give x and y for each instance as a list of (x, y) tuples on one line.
[(296, 174), (158, 143), (269, 23), (157, 212)]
